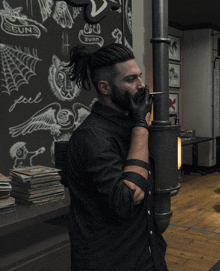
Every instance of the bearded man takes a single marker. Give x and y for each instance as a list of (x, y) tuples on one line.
[(110, 173)]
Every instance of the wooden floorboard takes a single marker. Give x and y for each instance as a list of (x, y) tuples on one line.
[(193, 236)]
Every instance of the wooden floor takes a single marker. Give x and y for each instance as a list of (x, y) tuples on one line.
[(193, 236)]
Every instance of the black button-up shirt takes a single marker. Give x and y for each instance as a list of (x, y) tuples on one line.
[(108, 232)]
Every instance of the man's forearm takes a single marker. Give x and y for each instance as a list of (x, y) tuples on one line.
[(139, 144), (138, 150)]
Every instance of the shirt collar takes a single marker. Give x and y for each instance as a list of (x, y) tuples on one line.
[(112, 115)]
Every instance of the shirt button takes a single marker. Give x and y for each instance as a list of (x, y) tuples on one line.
[(149, 172), (151, 232), (149, 249), (149, 212), (149, 192)]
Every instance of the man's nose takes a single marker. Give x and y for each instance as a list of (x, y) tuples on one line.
[(141, 84)]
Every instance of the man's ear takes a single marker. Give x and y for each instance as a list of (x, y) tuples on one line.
[(104, 87)]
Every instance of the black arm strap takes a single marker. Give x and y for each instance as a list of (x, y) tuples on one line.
[(136, 178), (137, 162), (140, 124)]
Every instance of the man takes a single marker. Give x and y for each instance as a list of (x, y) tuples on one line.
[(111, 186)]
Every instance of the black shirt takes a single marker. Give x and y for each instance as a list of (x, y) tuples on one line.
[(108, 232)]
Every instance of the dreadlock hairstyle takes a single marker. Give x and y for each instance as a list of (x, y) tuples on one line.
[(97, 65)]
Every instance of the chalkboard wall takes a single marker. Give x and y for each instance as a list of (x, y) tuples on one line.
[(39, 104)]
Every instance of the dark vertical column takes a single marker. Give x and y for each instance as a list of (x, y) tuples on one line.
[(163, 135), (160, 44)]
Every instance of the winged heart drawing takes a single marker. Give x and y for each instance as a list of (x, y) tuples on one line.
[(52, 118)]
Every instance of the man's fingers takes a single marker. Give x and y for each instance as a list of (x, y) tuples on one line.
[(146, 95), (151, 102), (147, 88), (148, 118)]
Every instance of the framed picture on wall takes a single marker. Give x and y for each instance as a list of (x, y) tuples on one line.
[(173, 103), (174, 48), (174, 75)]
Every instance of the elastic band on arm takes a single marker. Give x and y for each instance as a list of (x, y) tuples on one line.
[(137, 162), (136, 178)]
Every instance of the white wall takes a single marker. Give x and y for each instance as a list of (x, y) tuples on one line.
[(196, 100), (197, 81), (197, 89)]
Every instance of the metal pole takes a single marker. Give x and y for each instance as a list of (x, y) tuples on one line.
[(160, 43), (163, 135)]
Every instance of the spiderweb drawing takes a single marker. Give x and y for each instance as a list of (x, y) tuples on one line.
[(17, 66)]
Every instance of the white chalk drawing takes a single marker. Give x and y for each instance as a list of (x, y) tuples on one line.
[(81, 112), (45, 8), (51, 118), (117, 35), (31, 6), (64, 137), (128, 14), (25, 100), (63, 88), (119, 10), (65, 43), (93, 102), (95, 10), (17, 24), (62, 15), (87, 36), (17, 66), (76, 12), (22, 157)]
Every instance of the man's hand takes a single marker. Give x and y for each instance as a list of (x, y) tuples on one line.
[(148, 118), (140, 112)]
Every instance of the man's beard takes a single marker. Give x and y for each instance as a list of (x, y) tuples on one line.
[(119, 99)]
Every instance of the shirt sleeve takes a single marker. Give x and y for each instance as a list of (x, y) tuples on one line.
[(102, 169)]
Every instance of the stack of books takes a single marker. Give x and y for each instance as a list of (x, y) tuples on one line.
[(7, 203), (36, 185)]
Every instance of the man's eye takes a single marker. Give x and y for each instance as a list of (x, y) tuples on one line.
[(131, 79)]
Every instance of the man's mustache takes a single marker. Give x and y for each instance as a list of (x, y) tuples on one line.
[(138, 96)]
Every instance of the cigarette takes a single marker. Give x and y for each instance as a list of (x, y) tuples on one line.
[(154, 93)]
